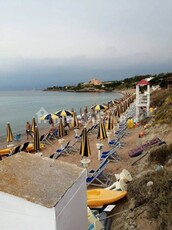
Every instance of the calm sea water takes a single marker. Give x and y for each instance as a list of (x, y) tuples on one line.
[(17, 107)]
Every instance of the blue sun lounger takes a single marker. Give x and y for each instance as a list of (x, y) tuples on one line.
[(97, 177), (111, 155)]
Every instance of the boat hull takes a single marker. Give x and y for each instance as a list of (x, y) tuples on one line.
[(99, 197)]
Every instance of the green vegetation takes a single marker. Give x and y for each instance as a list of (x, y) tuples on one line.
[(157, 79), (162, 101)]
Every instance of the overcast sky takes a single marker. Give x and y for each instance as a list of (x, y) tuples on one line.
[(57, 42)]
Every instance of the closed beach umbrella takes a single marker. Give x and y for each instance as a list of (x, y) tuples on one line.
[(100, 107), (109, 124), (85, 146), (61, 129), (63, 113), (75, 121), (101, 131), (36, 139), (33, 124), (118, 112), (48, 116), (65, 121), (9, 134), (81, 111)]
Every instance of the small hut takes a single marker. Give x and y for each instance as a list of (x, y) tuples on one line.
[(42, 193)]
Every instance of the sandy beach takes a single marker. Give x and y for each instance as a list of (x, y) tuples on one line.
[(138, 167)]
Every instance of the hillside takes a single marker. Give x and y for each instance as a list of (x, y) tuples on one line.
[(108, 86), (148, 203)]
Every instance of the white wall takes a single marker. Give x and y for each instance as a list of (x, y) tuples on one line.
[(20, 214), (71, 211)]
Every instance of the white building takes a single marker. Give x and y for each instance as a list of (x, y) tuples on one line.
[(142, 97), (42, 194)]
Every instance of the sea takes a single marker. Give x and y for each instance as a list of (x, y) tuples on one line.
[(17, 107)]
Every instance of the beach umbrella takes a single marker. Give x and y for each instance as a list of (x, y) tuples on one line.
[(75, 121), (63, 113), (109, 124), (100, 107), (9, 134), (117, 111), (65, 121), (85, 146), (48, 116), (81, 112), (36, 139), (61, 129), (33, 124), (101, 131)]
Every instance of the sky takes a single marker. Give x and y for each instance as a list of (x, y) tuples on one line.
[(64, 42)]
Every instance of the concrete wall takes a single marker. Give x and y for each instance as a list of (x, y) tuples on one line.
[(20, 214), (71, 211)]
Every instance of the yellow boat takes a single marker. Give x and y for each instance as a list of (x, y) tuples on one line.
[(30, 148), (99, 197)]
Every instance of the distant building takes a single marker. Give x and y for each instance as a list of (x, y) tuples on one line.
[(95, 81)]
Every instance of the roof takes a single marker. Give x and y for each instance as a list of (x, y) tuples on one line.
[(40, 180), (169, 78), (143, 82)]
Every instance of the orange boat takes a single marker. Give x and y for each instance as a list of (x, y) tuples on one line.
[(99, 197)]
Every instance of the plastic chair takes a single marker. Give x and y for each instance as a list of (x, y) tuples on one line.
[(17, 137)]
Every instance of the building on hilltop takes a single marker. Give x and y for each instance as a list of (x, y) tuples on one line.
[(95, 81)]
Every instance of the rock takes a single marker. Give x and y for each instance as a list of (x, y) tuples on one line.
[(150, 183), (132, 204), (158, 168), (131, 215), (169, 162), (126, 226)]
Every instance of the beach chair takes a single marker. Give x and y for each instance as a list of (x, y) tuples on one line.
[(16, 150), (91, 130), (111, 155), (77, 139), (97, 177), (51, 136), (115, 142), (24, 147), (17, 137), (44, 139), (59, 152)]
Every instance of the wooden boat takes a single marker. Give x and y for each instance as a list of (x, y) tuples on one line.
[(99, 197), (30, 148)]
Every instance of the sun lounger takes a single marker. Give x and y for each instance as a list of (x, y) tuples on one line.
[(112, 154), (97, 177), (66, 150), (17, 137), (45, 140), (24, 147), (16, 150), (116, 141)]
